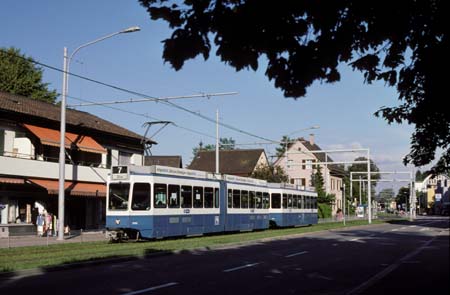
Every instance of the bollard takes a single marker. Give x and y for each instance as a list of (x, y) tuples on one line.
[(81, 235)]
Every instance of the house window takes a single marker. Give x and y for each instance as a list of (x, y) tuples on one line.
[(109, 159), (124, 158), (2, 142), (292, 181), (303, 181)]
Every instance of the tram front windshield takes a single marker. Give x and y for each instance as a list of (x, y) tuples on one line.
[(119, 194)]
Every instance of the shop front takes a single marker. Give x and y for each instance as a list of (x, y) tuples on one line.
[(28, 204)]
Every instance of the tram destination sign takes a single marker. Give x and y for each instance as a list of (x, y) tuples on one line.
[(119, 173), (180, 172)]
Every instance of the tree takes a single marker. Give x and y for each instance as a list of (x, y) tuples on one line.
[(224, 144), (402, 43), (402, 196), (420, 176), (19, 75), (227, 143), (284, 142), (270, 173), (386, 196), (318, 183), (363, 168)]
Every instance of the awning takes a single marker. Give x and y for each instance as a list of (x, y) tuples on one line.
[(52, 137), (73, 188), (12, 180)]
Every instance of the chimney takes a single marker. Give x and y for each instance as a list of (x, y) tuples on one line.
[(311, 139)]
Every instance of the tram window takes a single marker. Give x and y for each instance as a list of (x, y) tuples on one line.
[(216, 198), (252, 199), (236, 198), (244, 199), (266, 203), (259, 200), (198, 197), (141, 196), (174, 196), (315, 203), (209, 197), (294, 201), (276, 201), (230, 198), (307, 202), (118, 196), (285, 201), (160, 195), (289, 201), (186, 196), (301, 202)]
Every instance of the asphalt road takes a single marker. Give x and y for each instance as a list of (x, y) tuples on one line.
[(380, 259)]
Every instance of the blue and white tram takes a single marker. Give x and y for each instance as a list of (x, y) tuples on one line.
[(292, 207), (157, 201)]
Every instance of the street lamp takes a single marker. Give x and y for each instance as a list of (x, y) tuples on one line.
[(62, 154)]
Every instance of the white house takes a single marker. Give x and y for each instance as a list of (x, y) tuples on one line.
[(298, 165)]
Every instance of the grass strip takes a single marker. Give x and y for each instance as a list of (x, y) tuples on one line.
[(59, 254)]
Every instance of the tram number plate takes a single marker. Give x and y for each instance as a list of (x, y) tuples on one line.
[(216, 220)]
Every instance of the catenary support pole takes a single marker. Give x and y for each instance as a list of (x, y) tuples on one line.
[(369, 197), (217, 141)]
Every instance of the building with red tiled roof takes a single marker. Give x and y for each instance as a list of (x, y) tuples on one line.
[(29, 154), (234, 162)]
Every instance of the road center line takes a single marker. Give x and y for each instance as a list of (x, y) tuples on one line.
[(152, 288), (295, 254), (240, 267), (360, 289)]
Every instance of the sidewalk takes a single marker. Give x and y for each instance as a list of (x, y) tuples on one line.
[(75, 237)]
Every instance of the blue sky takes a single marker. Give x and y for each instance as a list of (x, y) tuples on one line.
[(343, 110)]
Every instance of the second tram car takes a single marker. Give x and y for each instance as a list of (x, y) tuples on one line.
[(158, 201), (290, 206)]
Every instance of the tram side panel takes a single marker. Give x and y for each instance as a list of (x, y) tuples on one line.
[(244, 207)]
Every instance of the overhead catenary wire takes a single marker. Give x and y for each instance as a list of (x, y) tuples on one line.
[(147, 117), (145, 96)]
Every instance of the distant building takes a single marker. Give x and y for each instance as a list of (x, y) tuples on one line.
[(234, 162), (170, 161), (299, 168), (435, 189), (29, 155)]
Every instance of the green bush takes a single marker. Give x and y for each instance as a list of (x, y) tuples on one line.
[(324, 210)]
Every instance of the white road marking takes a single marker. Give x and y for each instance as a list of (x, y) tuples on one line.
[(152, 288), (316, 275), (295, 254), (425, 228), (354, 239), (240, 267), (413, 225), (395, 229), (359, 289)]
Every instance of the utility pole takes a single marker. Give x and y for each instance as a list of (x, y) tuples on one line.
[(360, 183), (343, 205), (217, 141)]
